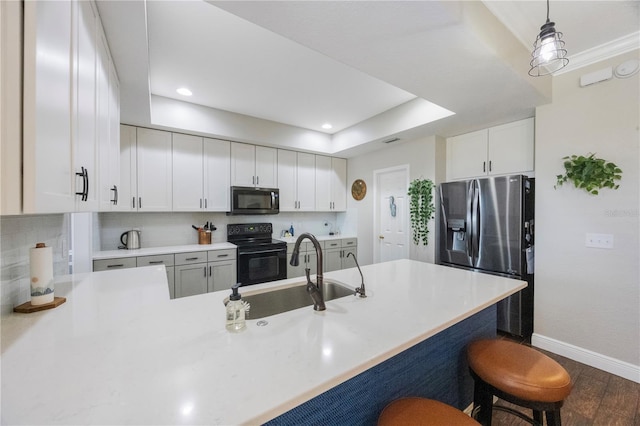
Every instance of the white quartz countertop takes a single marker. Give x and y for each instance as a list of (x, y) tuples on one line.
[(120, 352), (151, 251)]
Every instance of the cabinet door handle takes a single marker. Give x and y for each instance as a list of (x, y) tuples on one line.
[(200, 202), (257, 180), (139, 202), (489, 165), (119, 265), (484, 166), (205, 271), (253, 180), (209, 270), (84, 184), (86, 178), (134, 202), (115, 195), (156, 262), (205, 203), (192, 258), (223, 255)]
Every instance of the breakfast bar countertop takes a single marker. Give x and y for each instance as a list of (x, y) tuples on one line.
[(119, 351)]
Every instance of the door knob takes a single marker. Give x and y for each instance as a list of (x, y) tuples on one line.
[(381, 237)]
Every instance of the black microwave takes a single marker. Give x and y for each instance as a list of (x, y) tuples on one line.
[(248, 200)]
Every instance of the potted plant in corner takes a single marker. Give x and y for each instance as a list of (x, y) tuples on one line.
[(421, 209)]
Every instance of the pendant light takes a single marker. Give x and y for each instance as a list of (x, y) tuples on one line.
[(549, 54)]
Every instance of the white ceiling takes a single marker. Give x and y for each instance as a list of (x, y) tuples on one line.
[(304, 63)]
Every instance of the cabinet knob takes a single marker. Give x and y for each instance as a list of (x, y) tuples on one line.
[(381, 237)]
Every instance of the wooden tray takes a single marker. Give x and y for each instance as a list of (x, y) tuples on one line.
[(27, 308)]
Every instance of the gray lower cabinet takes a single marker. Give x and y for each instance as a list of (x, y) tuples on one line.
[(202, 272), (336, 254), (188, 274), (307, 258)]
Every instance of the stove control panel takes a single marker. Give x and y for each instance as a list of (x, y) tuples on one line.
[(248, 229)]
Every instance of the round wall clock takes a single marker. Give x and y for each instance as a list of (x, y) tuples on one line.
[(358, 189)]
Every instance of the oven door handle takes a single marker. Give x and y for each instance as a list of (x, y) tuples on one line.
[(280, 250)]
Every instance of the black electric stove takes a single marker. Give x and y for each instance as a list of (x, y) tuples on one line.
[(260, 258)]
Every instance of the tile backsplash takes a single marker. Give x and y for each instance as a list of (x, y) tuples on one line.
[(169, 229), (17, 235)]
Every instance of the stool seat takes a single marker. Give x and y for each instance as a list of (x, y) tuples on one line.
[(519, 370), (422, 412)]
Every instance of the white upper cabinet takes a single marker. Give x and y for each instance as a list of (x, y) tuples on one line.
[(48, 180), (200, 174), (154, 171), (331, 183), (64, 113), (296, 177), (188, 175), (127, 190), (217, 172), (253, 165), (499, 150)]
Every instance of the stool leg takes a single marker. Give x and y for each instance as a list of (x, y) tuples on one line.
[(553, 418), (482, 398), (537, 417)]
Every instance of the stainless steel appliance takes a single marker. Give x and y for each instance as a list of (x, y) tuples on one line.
[(486, 225), (248, 200), (130, 239), (260, 258)]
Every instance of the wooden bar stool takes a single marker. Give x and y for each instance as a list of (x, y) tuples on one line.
[(520, 375), (416, 411)]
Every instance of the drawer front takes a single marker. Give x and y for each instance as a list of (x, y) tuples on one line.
[(160, 259), (227, 254), (189, 258), (329, 244), (117, 263), (349, 242)]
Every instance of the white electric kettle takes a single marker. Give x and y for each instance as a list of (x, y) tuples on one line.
[(130, 239)]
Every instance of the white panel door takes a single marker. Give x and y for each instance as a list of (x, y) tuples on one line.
[(217, 170), (392, 214), (154, 170), (323, 183), (305, 181), (84, 111), (187, 173), (287, 177), (266, 167), (48, 150), (243, 163), (339, 184), (127, 190), (511, 147)]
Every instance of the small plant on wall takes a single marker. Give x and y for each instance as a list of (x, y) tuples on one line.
[(589, 173), (421, 209)]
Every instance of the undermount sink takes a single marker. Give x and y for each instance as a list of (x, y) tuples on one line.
[(280, 300)]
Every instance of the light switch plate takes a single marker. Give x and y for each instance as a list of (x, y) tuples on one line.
[(599, 241)]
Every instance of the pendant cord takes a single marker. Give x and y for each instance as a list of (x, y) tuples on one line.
[(547, 10)]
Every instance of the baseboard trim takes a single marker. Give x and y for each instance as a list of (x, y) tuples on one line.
[(585, 356)]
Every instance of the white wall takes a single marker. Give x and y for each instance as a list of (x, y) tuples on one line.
[(425, 157), (587, 300)]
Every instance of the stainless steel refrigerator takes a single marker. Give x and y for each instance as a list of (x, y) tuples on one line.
[(486, 225)]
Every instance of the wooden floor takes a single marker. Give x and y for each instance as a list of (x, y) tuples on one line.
[(598, 398)]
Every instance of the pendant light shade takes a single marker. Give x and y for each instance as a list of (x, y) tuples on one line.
[(549, 54)]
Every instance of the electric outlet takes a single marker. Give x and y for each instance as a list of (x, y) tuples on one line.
[(599, 241)]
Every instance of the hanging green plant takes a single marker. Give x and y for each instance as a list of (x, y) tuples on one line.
[(589, 173), (421, 209)]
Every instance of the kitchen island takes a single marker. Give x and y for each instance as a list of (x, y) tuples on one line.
[(119, 351)]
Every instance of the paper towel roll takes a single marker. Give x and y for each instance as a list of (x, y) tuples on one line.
[(41, 271)]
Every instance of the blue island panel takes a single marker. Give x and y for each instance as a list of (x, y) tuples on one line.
[(435, 368)]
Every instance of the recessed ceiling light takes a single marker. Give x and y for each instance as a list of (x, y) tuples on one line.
[(184, 91), (327, 126)]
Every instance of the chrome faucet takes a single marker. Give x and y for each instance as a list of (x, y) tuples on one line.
[(314, 290)]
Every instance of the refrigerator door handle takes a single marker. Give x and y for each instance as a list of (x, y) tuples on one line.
[(475, 214), (469, 228)]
